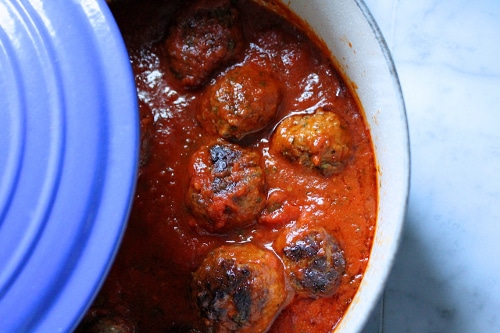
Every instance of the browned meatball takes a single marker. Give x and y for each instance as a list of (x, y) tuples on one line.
[(107, 324), (226, 187), (205, 38), (320, 141), (242, 101), (313, 260), (240, 288)]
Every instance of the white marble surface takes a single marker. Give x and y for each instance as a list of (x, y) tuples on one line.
[(446, 277)]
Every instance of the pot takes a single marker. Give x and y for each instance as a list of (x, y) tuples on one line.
[(361, 54)]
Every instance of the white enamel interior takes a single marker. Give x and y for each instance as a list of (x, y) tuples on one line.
[(354, 40)]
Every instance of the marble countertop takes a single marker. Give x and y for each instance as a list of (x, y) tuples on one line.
[(446, 277)]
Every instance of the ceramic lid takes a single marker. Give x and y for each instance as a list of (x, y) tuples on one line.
[(68, 158)]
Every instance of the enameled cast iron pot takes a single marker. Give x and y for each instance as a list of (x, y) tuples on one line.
[(69, 137), (359, 49)]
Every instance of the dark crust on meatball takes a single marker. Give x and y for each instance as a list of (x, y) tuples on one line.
[(226, 187), (314, 261), (235, 284), (203, 40), (242, 101), (318, 141), (239, 288)]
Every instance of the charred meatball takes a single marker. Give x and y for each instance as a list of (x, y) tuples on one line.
[(320, 141), (203, 40), (313, 261), (242, 101), (226, 187), (240, 288)]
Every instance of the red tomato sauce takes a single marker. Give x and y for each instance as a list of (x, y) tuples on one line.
[(148, 287)]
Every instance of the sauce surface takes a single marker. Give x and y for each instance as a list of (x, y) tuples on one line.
[(149, 286)]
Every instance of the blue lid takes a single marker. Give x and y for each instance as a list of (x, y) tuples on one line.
[(68, 158)]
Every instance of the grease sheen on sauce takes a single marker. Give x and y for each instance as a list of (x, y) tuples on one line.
[(149, 282)]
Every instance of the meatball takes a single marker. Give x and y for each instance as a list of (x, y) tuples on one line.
[(107, 324), (319, 141), (203, 40), (226, 187), (242, 101), (313, 261), (240, 288)]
